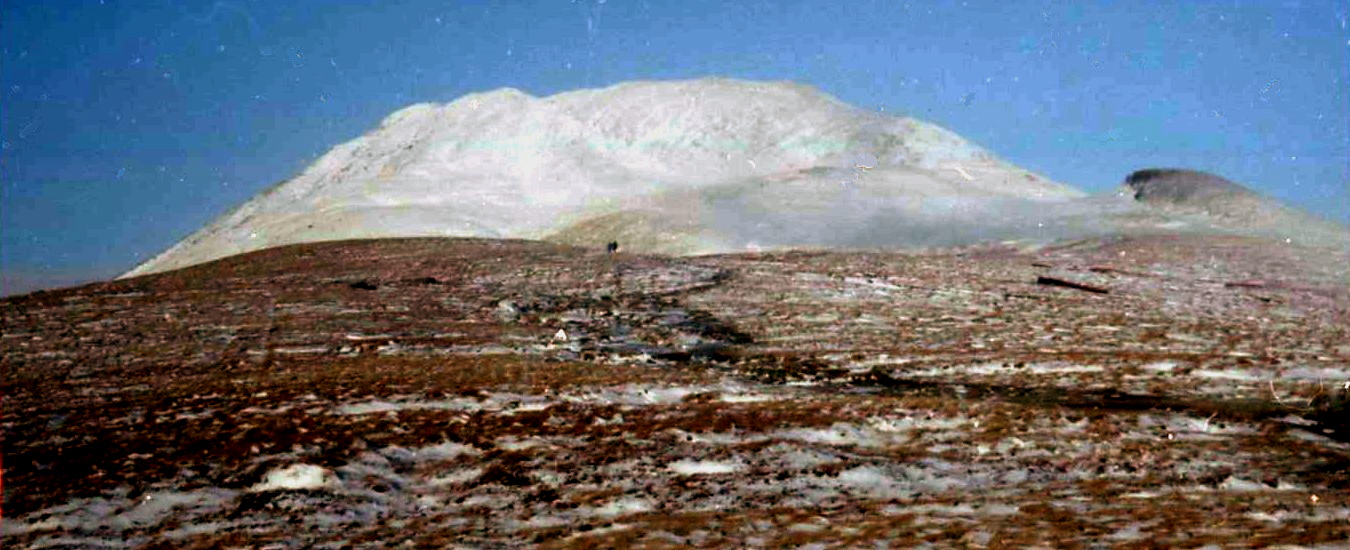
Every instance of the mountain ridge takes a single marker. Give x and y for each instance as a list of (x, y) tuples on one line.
[(702, 166), (506, 164)]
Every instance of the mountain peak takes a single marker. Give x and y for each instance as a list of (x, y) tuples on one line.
[(504, 163), (1181, 186)]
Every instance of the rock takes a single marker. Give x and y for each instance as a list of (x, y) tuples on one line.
[(363, 285), (508, 311), (1183, 187), (1051, 281)]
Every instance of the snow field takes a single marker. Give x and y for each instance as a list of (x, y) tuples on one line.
[(918, 460)]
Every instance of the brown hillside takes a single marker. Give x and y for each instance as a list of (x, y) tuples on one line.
[(509, 393)]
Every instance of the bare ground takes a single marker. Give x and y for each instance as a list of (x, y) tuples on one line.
[(440, 392)]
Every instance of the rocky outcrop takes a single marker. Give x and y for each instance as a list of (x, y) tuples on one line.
[(1196, 190), (1229, 206)]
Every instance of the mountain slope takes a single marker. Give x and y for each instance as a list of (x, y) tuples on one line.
[(503, 394), (1196, 191), (1192, 200), (506, 164)]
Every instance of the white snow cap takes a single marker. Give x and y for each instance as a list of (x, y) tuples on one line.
[(507, 164)]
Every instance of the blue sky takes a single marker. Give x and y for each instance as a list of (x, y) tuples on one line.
[(127, 125)]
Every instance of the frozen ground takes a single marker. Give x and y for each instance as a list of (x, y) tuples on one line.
[(503, 393)]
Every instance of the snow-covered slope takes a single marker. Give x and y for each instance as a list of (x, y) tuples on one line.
[(506, 164)]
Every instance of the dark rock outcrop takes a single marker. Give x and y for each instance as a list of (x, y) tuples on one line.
[(1192, 189), (1177, 185), (1230, 206)]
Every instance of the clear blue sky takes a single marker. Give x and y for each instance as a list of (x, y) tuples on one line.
[(127, 125)]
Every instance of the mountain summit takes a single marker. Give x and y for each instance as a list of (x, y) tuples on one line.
[(680, 167), (705, 166), (1191, 190)]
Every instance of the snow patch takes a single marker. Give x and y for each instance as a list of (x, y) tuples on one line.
[(870, 479), (491, 402), (879, 431), (643, 395), (445, 451), (801, 459), (749, 397), (118, 514), (987, 369), (1330, 374), (699, 467), (1161, 366), (1188, 427), (1241, 485), (625, 506), (1319, 515), (1229, 374), (294, 477), (457, 476)]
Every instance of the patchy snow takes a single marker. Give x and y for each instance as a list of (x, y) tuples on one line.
[(1317, 515), (457, 476), (295, 477), (625, 506), (491, 402), (918, 422), (642, 395), (1329, 374), (514, 443), (749, 397), (116, 513), (879, 431), (988, 509), (1179, 426), (838, 435), (382, 406), (871, 479), (300, 350), (1130, 532), (1241, 485), (541, 521), (375, 484), (634, 395), (1161, 366), (799, 459), (444, 451), (1141, 495), (986, 369), (1241, 375), (1319, 439), (700, 467), (716, 438), (867, 364)]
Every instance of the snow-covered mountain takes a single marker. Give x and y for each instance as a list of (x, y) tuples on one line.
[(707, 165), (703, 166)]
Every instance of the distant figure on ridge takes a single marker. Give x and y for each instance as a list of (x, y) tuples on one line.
[(612, 247)]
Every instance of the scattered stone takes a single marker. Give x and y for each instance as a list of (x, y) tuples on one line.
[(874, 398), (1052, 281), (508, 311)]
